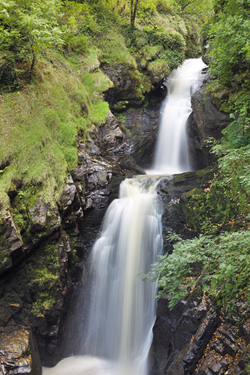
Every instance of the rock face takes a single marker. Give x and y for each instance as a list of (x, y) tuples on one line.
[(195, 339), (141, 133), (173, 192), (124, 88), (181, 335), (205, 121)]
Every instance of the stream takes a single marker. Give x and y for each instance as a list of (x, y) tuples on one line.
[(123, 307)]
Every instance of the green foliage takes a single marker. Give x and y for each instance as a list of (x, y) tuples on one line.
[(228, 32), (225, 203), (165, 6), (29, 27), (218, 265)]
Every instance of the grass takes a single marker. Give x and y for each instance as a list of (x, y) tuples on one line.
[(40, 125)]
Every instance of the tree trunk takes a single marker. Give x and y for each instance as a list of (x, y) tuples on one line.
[(134, 4), (32, 63)]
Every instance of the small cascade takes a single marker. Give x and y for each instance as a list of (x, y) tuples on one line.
[(122, 308), (171, 155)]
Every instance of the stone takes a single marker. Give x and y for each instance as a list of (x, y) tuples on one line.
[(109, 135), (68, 194)]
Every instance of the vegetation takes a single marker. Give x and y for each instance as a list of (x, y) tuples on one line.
[(218, 266)]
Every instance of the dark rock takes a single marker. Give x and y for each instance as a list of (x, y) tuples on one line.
[(128, 162), (181, 335), (124, 85), (205, 121), (173, 191), (142, 126)]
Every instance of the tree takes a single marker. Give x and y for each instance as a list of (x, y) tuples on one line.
[(28, 27), (229, 34)]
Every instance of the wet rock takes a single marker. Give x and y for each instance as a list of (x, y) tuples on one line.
[(128, 162), (179, 343), (205, 121), (18, 354), (34, 295), (223, 352), (141, 133)]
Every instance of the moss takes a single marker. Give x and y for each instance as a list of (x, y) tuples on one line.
[(193, 192), (43, 302), (159, 68)]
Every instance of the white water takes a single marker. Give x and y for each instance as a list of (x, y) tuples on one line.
[(172, 145), (122, 308)]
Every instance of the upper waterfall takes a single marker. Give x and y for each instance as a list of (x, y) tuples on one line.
[(171, 155)]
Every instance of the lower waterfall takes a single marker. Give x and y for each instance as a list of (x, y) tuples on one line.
[(122, 308)]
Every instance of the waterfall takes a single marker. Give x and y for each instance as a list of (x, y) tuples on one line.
[(122, 307), (122, 310), (171, 155)]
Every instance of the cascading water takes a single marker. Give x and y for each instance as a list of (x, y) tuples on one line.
[(122, 308), (171, 154)]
